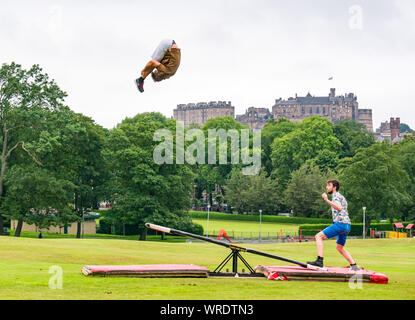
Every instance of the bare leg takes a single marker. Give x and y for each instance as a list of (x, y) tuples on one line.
[(345, 254), (320, 237), (150, 66)]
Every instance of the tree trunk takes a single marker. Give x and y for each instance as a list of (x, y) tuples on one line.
[(163, 236), (2, 172), (19, 228), (78, 230), (80, 210), (143, 234)]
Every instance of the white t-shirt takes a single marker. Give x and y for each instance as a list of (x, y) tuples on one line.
[(160, 51)]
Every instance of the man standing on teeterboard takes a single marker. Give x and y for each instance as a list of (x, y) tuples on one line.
[(340, 227), (166, 61)]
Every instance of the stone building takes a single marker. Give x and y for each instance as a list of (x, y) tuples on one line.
[(335, 108), (395, 128), (88, 227), (255, 118), (201, 112), (390, 131)]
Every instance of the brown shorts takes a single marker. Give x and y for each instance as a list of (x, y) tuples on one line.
[(168, 65)]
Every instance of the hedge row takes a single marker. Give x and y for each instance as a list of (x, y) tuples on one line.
[(105, 228), (134, 229), (356, 230), (255, 217)]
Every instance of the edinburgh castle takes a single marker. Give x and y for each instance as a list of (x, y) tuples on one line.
[(335, 108)]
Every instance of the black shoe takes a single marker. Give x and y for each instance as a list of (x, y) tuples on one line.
[(354, 267), (140, 84), (317, 263)]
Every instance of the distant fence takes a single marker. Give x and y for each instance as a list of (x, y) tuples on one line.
[(388, 234), (279, 237)]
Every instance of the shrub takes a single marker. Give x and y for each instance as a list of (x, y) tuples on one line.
[(134, 229), (105, 228)]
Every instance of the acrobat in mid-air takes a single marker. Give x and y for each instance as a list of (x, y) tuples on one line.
[(163, 64)]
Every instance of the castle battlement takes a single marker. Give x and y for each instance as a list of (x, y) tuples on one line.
[(201, 112), (335, 108)]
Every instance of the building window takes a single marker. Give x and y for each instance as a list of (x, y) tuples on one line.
[(318, 110)]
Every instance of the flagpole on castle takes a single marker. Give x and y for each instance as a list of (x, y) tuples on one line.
[(332, 80)]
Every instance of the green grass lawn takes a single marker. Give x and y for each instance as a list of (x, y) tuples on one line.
[(25, 263), (26, 234), (246, 226)]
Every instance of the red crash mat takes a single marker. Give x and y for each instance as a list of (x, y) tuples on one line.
[(332, 274), (148, 271)]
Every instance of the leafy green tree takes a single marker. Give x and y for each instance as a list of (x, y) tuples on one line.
[(313, 136), (142, 190), (374, 179), (404, 153), (235, 189), (20, 91), (304, 190), (225, 123), (71, 146), (352, 135), (35, 196), (406, 128), (211, 177), (273, 130), (326, 160), (252, 193), (261, 194)]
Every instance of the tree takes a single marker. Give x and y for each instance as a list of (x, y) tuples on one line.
[(352, 135), (406, 128), (213, 176), (374, 179), (309, 141), (144, 191), (261, 194), (71, 146), (273, 130), (252, 193), (235, 189), (304, 190), (35, 196), (404, 153), (21, 90), (326, 160)]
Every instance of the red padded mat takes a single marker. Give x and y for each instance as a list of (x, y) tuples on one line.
[(332, 274), (158, 267), (166, 270)]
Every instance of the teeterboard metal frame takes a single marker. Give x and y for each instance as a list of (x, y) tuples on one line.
[(234, 255)]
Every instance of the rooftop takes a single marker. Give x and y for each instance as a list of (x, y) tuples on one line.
[(331, 99)]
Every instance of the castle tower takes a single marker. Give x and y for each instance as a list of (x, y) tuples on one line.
[(365, 116), (395, 125)]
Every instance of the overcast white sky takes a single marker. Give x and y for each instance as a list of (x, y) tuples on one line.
[(248, 52)]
